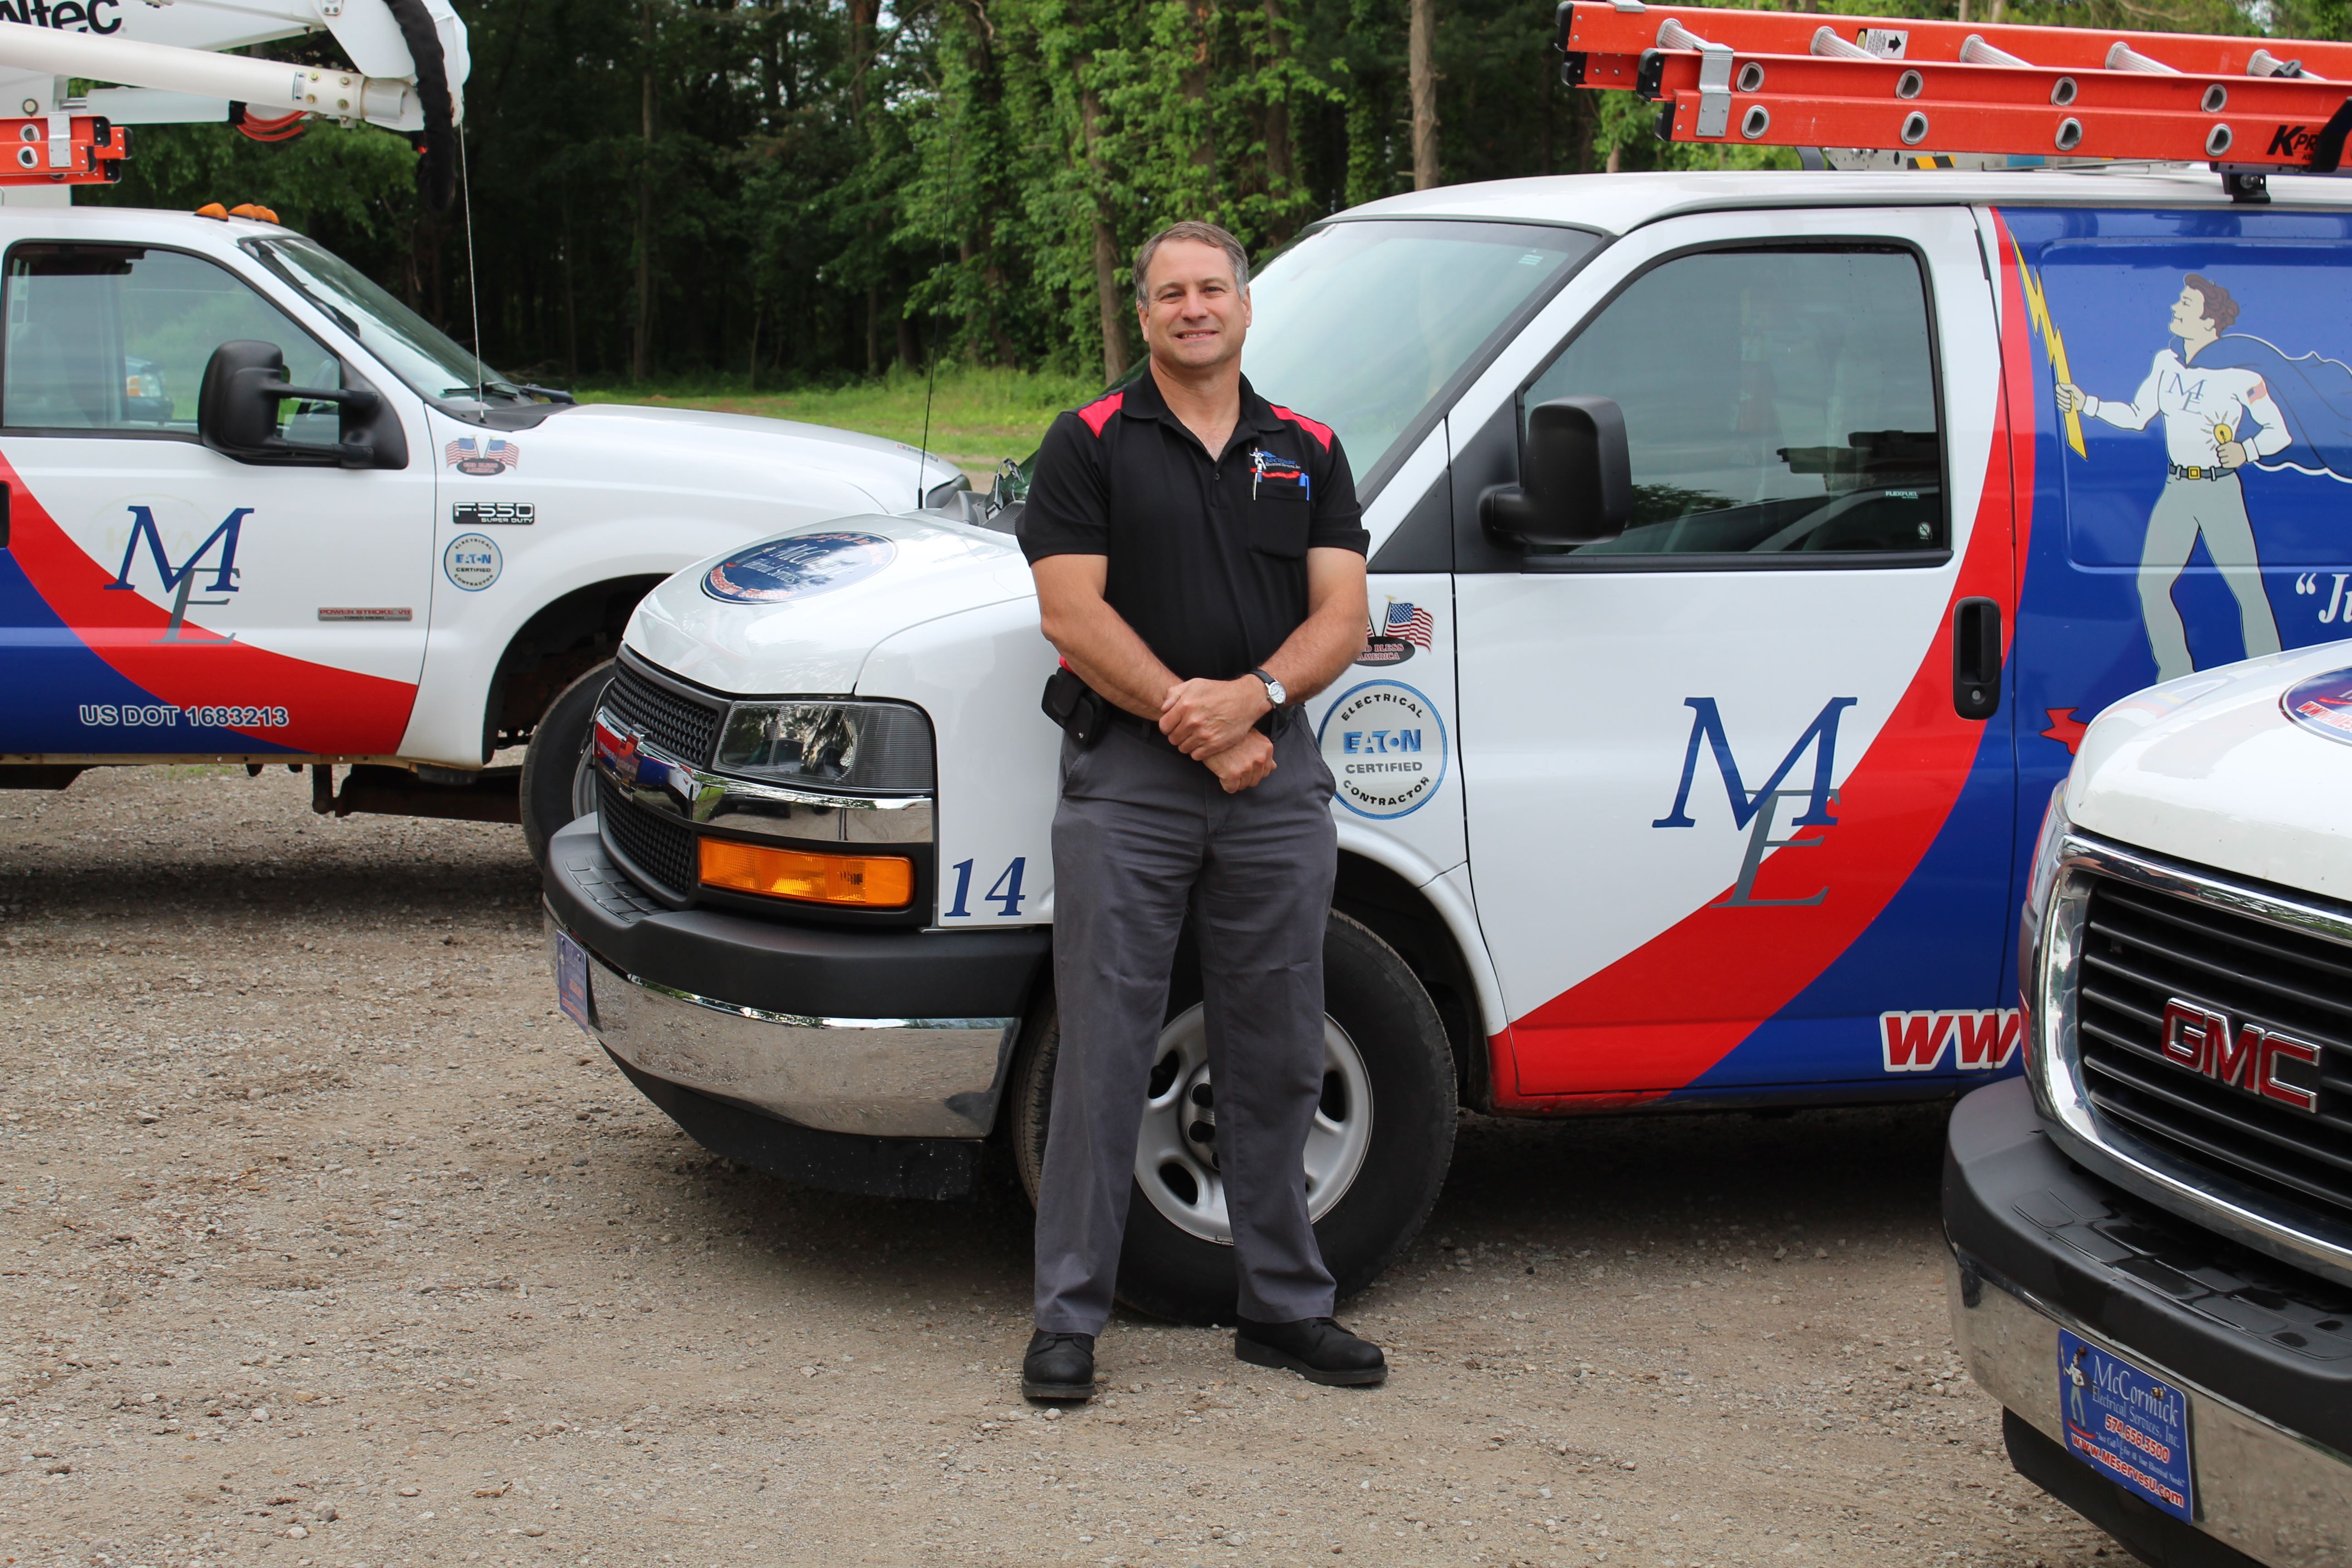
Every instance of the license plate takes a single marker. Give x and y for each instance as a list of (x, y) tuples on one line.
[(571, 983), (2128, 1426)]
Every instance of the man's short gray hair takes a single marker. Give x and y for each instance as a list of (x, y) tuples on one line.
[(1197, 233)]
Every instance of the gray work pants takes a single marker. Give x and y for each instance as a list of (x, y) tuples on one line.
[(1142, 835), (2215, 508)]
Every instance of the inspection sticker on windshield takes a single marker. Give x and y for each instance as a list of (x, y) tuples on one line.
[(571, 980), (798, 566), (2130, 1427)]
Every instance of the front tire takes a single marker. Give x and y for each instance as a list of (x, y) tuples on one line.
[(1375, 1162), (557, 786)]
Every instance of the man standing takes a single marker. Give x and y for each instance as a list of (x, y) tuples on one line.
[(1199, 565), (2205, 408)]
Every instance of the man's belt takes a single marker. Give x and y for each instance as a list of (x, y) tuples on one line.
[(2194, 471), (1269, 724)]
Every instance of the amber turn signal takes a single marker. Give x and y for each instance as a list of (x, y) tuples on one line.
[(854, 881)]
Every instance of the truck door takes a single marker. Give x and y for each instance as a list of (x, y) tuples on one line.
[(164, 599), (1730, 831)]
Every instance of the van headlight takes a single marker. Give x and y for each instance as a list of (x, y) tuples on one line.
[(877, 746)]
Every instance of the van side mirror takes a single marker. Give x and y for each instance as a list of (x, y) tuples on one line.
[(1576, 481), (236, 413)]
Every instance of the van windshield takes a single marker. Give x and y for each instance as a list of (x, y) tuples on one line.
[(432, 363), (1364, 324)]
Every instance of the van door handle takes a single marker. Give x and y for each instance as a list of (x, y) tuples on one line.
[(1976, 658)]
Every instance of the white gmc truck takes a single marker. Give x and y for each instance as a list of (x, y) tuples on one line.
[(2151, 1232)]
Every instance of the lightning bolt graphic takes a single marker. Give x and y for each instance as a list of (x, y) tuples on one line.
[(2037, 310)]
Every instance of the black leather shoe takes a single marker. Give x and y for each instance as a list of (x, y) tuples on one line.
[(1316, 1349), (1059, 1366)]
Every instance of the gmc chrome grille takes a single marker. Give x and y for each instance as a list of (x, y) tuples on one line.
[(2223, 1040), (683, 729), (656, 847)]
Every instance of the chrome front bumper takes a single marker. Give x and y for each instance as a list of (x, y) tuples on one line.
[(889, 1077), (2280, 1499)]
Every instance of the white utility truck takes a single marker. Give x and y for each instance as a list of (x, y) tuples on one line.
[(256, 509)]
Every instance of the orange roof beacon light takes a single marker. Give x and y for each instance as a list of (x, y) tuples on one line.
[(1925, 91), (844, 882)]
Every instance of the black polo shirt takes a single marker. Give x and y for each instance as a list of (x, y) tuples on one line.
[(1207, 554)]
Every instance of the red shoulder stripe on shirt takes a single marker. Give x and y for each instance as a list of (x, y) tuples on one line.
[(1098, 414), (1321, 432)]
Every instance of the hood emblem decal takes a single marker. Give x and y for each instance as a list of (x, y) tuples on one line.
[(798, 566)]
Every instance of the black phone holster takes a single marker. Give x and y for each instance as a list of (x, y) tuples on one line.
[(1083, 712)]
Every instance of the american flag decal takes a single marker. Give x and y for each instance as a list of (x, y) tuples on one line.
[(1409, 623), (469, 454)]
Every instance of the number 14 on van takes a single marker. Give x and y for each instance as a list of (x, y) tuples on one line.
[(1004, 892)]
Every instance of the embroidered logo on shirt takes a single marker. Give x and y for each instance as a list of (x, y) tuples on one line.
[(1276, 477)]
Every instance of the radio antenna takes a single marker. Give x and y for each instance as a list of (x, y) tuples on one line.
[(473, 293), (932, 383)]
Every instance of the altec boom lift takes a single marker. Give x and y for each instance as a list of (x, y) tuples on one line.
[(163, 65), (2249, 107)]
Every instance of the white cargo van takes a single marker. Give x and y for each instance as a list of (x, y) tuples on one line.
[(1707, 784)]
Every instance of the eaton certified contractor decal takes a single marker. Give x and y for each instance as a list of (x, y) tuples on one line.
[(798, 566), (2323, 704), (2128, 1427), (473, 562), (1385, 746)]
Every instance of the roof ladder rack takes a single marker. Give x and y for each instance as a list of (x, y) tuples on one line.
[(1927, 90)]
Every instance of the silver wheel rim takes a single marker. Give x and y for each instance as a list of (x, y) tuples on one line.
[(1178, 1171)]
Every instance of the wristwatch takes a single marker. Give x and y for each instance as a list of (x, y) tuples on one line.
[(1274, 690)]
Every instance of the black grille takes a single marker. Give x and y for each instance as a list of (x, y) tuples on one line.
[(661, 850), (681, 728), (2142, 949)]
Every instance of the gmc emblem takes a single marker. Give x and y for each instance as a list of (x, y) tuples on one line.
[(2201, 1039)]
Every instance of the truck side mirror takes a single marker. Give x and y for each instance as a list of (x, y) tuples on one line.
[(1576, 479), (236, 413)]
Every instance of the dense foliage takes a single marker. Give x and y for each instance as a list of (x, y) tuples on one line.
[(803, 189)]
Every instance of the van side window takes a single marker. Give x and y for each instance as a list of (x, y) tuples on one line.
[(1777, 401), (115, 338)]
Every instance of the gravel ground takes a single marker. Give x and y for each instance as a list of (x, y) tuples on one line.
[(325, 1241)]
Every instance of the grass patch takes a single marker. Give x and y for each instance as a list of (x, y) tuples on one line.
[(978, 415)]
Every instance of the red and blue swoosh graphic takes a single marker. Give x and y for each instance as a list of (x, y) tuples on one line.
[(71, 643), (1788, 989)]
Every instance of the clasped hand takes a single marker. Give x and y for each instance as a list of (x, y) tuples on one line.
[(1211, 722)]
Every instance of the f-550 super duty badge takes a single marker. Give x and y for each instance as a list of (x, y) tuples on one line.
[(481, 513)]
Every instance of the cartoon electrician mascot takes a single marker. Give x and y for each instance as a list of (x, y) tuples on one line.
[(2216, 418)]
